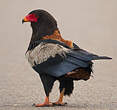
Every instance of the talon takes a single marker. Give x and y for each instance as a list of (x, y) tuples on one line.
[(44, 105), (60, 103)]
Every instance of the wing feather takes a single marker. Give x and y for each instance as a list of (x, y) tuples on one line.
[(56, 59), (44, 51)]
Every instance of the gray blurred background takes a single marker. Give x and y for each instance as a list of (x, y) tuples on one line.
[(92, 24)]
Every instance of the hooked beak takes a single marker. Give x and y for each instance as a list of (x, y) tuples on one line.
[(25, 20)]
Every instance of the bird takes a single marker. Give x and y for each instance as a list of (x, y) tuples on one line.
[(56, 59)]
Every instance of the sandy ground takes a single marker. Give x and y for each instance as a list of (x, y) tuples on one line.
[(91, 24)]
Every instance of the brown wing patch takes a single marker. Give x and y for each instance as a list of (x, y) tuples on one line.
[(57, 36), (79, 74)]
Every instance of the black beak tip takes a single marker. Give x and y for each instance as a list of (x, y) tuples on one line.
[(23, 21)]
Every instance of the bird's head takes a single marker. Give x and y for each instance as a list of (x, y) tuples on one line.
[(41, 22), (32, 17), (36, 16)]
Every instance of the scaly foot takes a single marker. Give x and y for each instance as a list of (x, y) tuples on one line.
[(43, 105)]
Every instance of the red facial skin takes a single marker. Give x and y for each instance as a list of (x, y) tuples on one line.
[(31, 18)]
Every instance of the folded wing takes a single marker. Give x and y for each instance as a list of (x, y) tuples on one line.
[(57, 60)]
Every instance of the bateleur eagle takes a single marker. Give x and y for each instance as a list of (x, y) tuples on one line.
[(54, 58)]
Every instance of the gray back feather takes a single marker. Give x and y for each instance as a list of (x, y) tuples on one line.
[(44, 51)]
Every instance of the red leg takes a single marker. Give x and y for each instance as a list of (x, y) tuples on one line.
[(45, 104), (60, 100)]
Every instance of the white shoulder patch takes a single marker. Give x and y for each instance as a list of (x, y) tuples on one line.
[(43, 51)]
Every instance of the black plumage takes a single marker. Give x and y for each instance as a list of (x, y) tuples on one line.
[(55, 58)]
